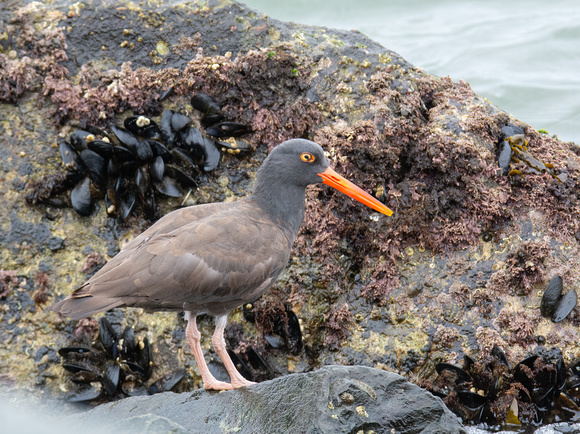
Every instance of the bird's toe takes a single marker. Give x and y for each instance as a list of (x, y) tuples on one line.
[(217, 385)]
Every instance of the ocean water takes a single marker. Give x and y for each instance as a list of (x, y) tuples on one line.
[(522, 55)]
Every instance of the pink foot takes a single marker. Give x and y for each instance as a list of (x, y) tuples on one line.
[(236, 384), (217, 385)]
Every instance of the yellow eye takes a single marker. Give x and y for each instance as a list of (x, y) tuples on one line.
[(307, 157)]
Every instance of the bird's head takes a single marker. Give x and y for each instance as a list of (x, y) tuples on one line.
[(302, 162)]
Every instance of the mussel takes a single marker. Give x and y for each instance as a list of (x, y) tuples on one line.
[(130, 166)]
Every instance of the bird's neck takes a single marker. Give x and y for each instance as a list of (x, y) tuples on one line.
[(284, 203)]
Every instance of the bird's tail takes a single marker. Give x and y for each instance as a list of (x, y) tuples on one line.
[(82, 307)]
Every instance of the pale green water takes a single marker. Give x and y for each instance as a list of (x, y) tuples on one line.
[(524, 56)]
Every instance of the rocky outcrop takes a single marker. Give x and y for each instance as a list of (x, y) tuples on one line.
[(334, 399), (458, 268)]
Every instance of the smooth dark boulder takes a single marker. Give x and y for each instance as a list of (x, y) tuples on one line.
[(334, 399)]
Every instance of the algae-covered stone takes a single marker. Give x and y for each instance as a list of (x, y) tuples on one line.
[(458, 268)]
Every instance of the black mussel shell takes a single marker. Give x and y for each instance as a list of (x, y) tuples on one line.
[(179, 121), (551, 297), (112, 169), (109, 337), (249, 314), (504, 157), (125, 138), (257, 362), (574, 366), (181, 177), (212, 119), (128, 343), (523, 372), (180, 157), (144, 356), (96, 131), (123, 154), (159, 150), (81, 198), (192, 140), (129, 168), (135, 368), (566, 304), (234, 144), (205, 104), (143, 150), (228, 129), (468, 362), (150, 205), (110, 380), (65, 351), (72, 179), (528, 361), (96, 165), (101, 147), (510, 130), (142, 182), (472, 400), (76, 367), (167, 132), (142, 126), (111, 201), (166, 93), (120, 185), (294, 335), (212, 155), (157, 169), (80, 138), (566, 403), (89, 394), (240, 365), (460, 375), (168, 187), (86, 377), (500, 356), (134, 388), (274, 341), (69, 156), (168, 382), (126, 205)]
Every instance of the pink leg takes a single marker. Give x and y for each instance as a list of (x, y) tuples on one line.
[(220, 346), (193, 337)]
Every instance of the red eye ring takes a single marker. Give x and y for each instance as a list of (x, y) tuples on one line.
[(307, 157)]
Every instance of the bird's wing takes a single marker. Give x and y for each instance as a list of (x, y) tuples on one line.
[(222, 256)]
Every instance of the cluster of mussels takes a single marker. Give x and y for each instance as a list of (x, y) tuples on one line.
[(554, 305), (117, 366), (513, 146), (285, 335), (540, 389), (129, 166)]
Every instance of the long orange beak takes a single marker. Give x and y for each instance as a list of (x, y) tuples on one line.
[(330, 177)]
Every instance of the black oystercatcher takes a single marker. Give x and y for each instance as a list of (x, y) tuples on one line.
[(213, 258)]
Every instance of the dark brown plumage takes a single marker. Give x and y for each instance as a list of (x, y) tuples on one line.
[(213, 258)]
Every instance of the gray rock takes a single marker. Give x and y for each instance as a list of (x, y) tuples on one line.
[(334, 399)]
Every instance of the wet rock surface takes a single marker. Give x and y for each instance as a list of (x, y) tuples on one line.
[(461, 266), (334, 399)]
